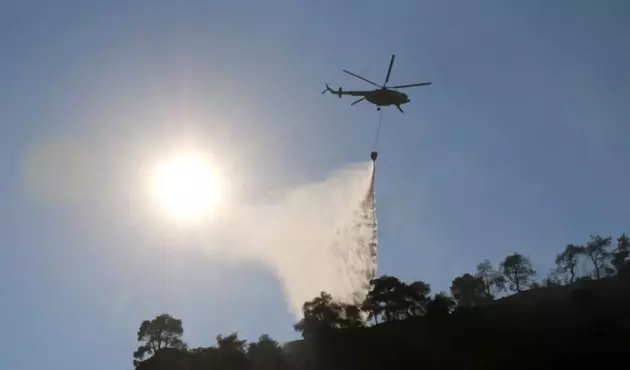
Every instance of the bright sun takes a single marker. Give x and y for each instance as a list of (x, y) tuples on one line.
[(186, 185)]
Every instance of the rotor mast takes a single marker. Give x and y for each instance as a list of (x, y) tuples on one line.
[(389, 72)]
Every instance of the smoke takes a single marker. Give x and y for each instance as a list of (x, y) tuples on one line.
[(318, 237)]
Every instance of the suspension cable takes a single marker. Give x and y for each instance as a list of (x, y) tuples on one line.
[(378, 129)]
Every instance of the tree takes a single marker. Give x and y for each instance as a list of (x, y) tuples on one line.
[(440, 305), (393, 299), (596, 251), (323, 313), (554, 278), (567, 260), (621, 253), (350, 316), (494, 282), (518, 270), (164, 331), (372, 307), (232, 352), (266, 354), (318, 314), (231, 343), (469, 290), (387, 298), (416, 297), (205, 357)]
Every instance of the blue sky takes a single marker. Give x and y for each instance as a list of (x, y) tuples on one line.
[(520, 144)]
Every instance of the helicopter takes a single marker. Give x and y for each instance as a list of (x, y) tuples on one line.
[(383, 96)]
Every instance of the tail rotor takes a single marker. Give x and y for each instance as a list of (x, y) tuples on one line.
[(338, 92)]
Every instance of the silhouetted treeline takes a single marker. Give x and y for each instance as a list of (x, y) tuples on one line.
[(390, 299), (581, 307), (162, 337)]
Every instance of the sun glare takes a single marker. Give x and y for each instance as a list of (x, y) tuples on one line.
[(186, 186)]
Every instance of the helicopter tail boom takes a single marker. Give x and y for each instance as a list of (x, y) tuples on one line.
[(339, 92)]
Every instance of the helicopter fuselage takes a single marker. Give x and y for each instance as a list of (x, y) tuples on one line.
[(383, 96), (386, 97)]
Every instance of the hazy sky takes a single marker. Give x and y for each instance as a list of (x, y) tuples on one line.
[(521, 144)]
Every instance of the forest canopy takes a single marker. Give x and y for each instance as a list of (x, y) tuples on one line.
[(390, 299)]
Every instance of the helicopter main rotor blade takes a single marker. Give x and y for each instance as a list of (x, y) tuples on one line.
[(362, 78), (410, 85), (358, 101), (389, 71)]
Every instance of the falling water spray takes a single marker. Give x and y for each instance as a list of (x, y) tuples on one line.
[(320, 236), (370, 221)]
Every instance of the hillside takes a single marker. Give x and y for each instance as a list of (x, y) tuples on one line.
[(547, 328), (571, 316), (540, 328)]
